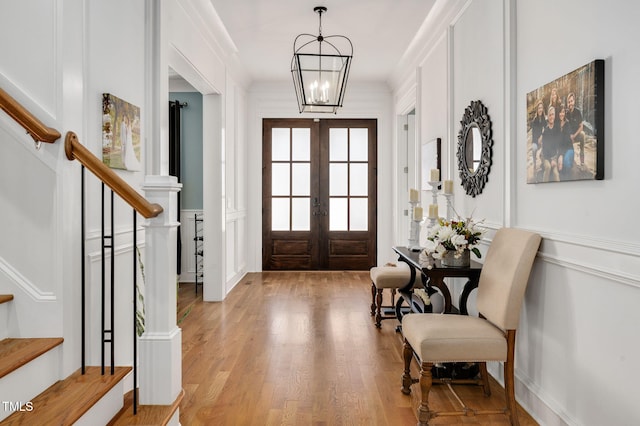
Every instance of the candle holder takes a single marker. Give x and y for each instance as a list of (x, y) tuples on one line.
[(435, 187), (450, 210), (414, 235)]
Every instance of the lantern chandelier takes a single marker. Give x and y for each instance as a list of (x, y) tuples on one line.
[(320, 76)]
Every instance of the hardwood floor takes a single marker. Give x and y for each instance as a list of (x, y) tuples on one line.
[(300, 348)]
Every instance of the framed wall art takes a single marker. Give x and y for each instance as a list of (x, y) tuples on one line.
[(565, 127), (120, 133)]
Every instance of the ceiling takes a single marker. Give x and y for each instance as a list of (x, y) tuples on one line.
[(263, 32)]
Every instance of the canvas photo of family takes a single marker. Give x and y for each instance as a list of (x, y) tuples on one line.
[(565, 127), (120, 133)]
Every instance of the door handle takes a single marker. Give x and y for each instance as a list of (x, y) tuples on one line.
[(316, 203)]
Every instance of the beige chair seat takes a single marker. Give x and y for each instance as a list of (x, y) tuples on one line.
[(387, 277), (454, 338), (390, 276)]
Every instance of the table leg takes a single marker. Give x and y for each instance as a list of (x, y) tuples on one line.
[(471, 285), (438, 282)]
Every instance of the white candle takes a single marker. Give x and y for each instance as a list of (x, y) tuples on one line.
[(433, 211), (435, 175), (417, 213), (413, 195), (448, 187)]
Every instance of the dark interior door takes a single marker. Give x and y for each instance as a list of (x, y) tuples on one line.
[(175, 148), (319, 194)]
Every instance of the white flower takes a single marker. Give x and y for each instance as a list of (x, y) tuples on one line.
[(455, 236), (445, 233), (460, 241), (430, 246)]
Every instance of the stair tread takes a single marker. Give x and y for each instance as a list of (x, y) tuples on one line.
[(147, 415), (6, 298), (64, 402), (14, 353)]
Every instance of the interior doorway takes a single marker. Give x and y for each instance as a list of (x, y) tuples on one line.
[(319, 194)]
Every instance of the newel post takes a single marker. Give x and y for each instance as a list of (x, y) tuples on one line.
[(160, 357)]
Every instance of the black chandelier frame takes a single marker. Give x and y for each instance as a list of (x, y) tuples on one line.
[(306, 64)]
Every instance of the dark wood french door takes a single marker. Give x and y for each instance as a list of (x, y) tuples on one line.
[(319, 194)]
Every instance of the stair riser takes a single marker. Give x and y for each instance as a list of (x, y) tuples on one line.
[(105, 409), (30, 380), (4, 320)]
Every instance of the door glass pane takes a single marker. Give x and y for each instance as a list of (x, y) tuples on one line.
[(338, 214), (338, 183), (280, 145), (301, 145), (338, 145), (280, 179), (358, 179), (358, 145), (358, 214), (301, 179), (279, 214), (301, 214)]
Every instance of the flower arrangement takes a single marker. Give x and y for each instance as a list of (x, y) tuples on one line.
[(454, 236)]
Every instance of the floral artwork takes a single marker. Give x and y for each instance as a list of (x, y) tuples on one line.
[(453, 236), (120, 133), (565, 127)]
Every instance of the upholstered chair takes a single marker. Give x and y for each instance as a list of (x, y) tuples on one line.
[(389, 277), (434, 338)]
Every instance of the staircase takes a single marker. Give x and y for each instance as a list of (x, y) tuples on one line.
[(31, 392)]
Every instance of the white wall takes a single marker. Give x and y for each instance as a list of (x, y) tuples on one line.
[(204, 56), (266, 100), (39, 248), (580, 306), (577, 344)]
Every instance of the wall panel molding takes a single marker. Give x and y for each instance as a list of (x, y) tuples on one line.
[(25, 284), (607, 259), (96, 255), (600, 272)]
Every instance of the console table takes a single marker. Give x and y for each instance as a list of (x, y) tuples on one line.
[(435, 276)]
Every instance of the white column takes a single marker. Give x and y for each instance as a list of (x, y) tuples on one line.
[(160, 355)]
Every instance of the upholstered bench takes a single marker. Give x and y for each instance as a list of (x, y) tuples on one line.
[(387, 277)]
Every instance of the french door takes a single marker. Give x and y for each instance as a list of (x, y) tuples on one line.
[(319, 194)]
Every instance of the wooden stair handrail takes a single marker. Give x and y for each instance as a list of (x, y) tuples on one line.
[(76, 151), (38, 131)]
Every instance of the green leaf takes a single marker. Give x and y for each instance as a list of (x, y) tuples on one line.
[(476, 252)]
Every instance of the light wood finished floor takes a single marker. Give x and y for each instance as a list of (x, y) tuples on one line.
[(300, 348)]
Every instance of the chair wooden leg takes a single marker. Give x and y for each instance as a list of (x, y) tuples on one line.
[(424, 414), (509, 379), (373, 299), (379, 308), (484, 376), (407, 381)]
